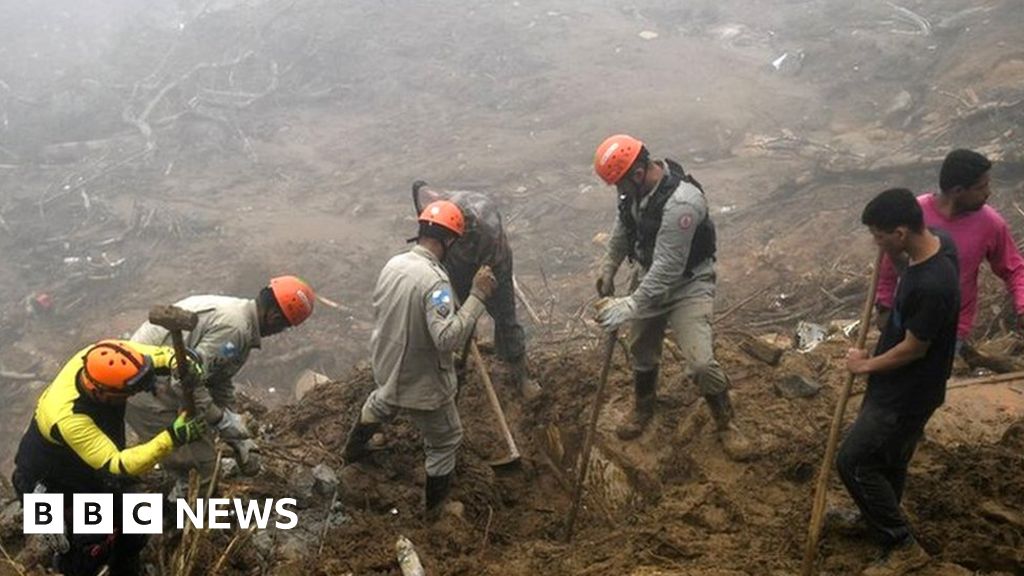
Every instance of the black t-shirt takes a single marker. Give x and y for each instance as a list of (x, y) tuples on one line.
[(927, 303)]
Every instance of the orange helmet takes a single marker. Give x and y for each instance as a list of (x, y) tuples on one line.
[(113, 369), (445, 214), (294, 296), (614, 157)]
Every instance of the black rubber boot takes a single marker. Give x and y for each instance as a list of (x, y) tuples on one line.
[(437, 490), (355, 446), (645, 384)]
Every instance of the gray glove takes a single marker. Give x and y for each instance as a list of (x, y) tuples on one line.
[(247, 454), (614, 312), (232, 427)]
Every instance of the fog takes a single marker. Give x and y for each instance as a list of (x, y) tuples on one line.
[(151, 150)]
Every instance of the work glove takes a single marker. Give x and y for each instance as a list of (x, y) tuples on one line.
[(186, 429), (605, 285), (231, 426), (484, 283), (614, 312), (247, 454), (193, 367)]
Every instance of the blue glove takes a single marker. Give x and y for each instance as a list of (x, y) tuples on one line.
[(614, 312)]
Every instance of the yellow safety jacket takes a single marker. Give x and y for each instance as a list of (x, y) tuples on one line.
[(77, 440)]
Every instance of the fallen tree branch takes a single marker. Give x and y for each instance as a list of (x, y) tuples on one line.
[(238, 539), (922, 23), (526, 303), (141, 121)]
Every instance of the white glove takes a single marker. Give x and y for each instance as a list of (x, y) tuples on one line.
[(232, 427), (614, 312)]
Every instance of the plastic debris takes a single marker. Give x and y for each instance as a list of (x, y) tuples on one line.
[(648, 34), (408, 560), (809, 335)]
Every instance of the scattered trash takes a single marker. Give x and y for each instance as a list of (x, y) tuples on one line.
[(809, 335), (789, 63), (228, 467), (408, 560), (648, 34), (844, 327), (40, 303), (727, 209)]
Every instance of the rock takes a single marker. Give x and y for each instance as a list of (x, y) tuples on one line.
[(302, 485), (999, 513), (762, 350), (10, 520), (293, 546), (325, 481), (900, 104), (263, 540), (307, 380), (797, 386)]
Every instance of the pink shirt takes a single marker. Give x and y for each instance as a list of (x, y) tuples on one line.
[(978, 235)]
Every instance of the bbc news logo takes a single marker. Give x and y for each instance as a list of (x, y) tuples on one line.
[(144, 513)]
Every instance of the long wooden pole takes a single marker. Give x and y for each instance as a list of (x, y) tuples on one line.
[(588, 441), (821, 486)]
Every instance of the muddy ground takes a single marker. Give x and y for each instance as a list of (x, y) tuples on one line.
[(150, 152)]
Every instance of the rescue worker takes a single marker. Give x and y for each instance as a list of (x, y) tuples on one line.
[(76, 444), (228, 330), (417, 329), (485, 243), (664, 228)]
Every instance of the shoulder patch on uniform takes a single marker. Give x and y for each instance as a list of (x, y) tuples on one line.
[(441, 300), (685, 221), (229, 350)]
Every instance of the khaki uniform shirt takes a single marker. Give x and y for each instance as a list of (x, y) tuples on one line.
[(417, 330), (228, 329)]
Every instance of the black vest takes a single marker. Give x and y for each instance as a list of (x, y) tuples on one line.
[(643, 234)]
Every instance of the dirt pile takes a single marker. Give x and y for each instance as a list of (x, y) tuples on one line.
[(668, 503)]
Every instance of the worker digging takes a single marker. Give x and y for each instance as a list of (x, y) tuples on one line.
[(712, 288)]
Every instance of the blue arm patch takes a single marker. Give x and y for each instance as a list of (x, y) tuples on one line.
[(441, 300)]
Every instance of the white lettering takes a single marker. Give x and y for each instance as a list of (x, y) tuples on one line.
[(219, 509), (92, 514), (142, 513), (251, 510), (196, 517), (279, 506), (44, 514)]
